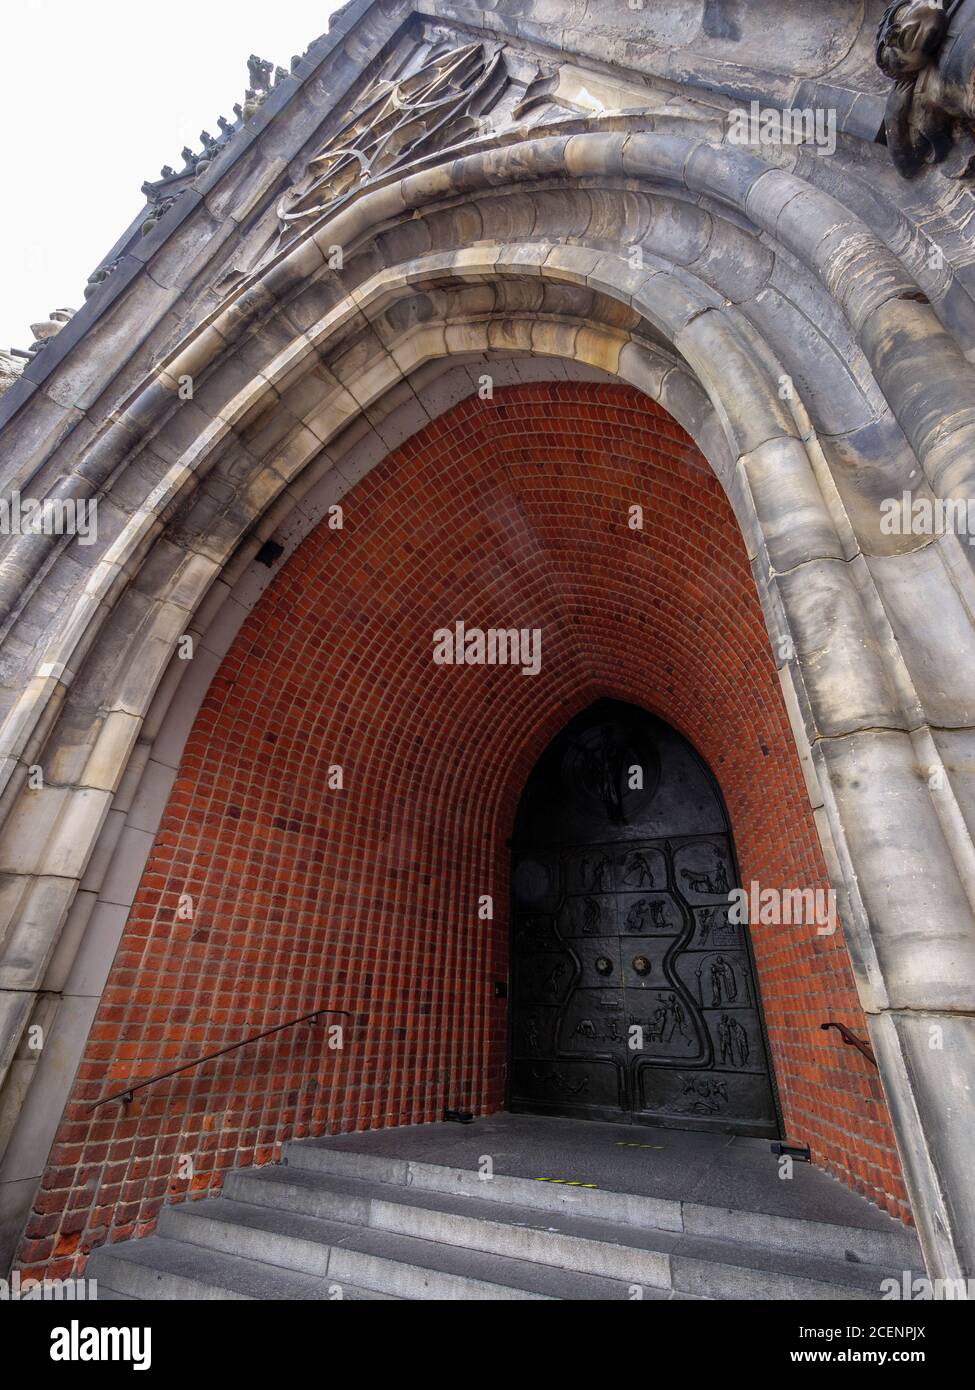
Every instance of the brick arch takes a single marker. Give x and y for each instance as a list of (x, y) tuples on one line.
[(507, 513)]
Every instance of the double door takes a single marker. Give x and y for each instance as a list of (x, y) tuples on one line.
[(634, 992)]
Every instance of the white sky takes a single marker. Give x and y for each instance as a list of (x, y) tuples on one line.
[(97, 96)]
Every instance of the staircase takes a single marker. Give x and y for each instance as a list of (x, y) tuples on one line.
[(337, 1223)]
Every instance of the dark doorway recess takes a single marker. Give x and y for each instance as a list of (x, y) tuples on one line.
[(634, 997)]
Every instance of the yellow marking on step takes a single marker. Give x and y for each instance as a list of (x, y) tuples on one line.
[(568, 1182)]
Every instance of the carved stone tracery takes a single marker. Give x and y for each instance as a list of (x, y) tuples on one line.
[(398, 121)]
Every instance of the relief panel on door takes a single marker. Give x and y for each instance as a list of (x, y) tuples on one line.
[(634, 995)]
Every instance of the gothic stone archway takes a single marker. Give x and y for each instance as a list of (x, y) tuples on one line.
[(368, 898), (808, 320)]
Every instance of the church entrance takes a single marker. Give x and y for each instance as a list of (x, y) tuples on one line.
[(634, 995)]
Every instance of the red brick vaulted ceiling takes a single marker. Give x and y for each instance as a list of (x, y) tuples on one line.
[(507, 513)]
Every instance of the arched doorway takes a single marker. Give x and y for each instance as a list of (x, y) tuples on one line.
[(383, 880), (634, 993)]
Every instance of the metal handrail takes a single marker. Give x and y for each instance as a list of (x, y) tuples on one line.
[(128, 1095), (852, 1040)]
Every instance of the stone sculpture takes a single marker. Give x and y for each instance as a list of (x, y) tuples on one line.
[(259, 70), (929, 52), (50, 328), (99, 276), (156, 213)]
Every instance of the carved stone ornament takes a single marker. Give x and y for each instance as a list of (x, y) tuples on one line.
[(928, 49), (400, 120), (49, 328), (10, 370), (99, 276)]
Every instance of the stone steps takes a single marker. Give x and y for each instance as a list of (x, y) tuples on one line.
[(332, 1223), (892, 1244), (163, 1270)]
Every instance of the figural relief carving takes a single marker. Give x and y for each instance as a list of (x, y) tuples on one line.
[(640, 986), (928, 50)]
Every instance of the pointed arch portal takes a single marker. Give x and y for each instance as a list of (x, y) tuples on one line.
[(808, 321)]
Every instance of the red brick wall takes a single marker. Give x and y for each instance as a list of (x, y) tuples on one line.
[(511, 513)]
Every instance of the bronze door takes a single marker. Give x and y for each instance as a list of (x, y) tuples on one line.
[(634, 996)]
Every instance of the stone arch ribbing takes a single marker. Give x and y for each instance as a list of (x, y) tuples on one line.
[(881, 304)]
